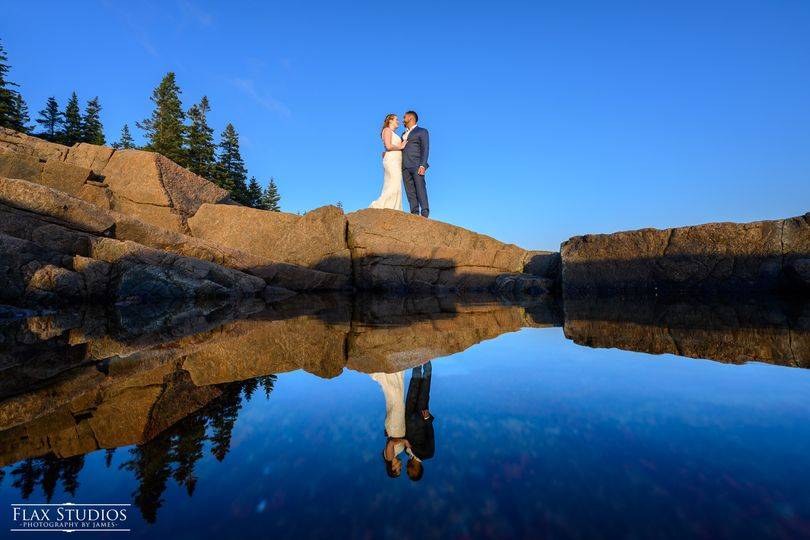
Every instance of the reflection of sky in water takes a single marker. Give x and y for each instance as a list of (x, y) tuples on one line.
[(535, 436)]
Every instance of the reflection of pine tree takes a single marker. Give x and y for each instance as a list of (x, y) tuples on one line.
[(46, 472), (50, 475), (223, 418), (27, 476), (174, 453), (249, 387), (150, 465), (108, 456), (267, 382), (187, 449), (71, 467)]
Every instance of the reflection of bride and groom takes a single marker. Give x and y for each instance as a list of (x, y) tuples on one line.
[(408, 422)]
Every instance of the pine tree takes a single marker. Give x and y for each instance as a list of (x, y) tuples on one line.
[(231, 172), (19, 114), (125, 142), (254, 191), (270, 198), (165, 129), (7, 95), (50, 118), (201, 158), (72, 123), (92, 130)]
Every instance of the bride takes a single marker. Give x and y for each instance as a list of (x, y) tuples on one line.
[(391, 196)]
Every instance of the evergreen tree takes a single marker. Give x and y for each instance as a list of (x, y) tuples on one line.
[(270, 198), (7, 95), (231, 172), (201, 157), (165, 129), (50, 118), (254, 191), (19, 114), (72, 122), (125, 142), (92, 130)]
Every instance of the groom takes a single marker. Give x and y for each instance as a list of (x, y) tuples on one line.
[(415, 164)]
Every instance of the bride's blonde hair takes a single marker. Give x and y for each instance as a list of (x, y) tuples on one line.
[(388, 118)]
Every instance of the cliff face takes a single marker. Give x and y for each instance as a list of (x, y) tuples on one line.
[(763, 256), (67, 211), (114, 212)]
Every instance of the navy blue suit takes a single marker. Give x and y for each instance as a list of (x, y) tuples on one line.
[(415, 155)]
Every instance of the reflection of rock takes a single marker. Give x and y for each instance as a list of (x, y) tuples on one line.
[(100, 378), (762, 256), (78, 380), (397, 334), (248, 349), (763, 331)]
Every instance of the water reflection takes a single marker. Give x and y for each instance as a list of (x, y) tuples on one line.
[(764, 329), (168, 381), (408, 421)]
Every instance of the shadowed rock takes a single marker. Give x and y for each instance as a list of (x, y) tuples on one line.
[(764, 329), (762, 256), (394, 250), (154, 189), (61, 223)]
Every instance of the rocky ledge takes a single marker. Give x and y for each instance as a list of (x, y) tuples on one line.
[(72, 213), (93, 222), (763, 256)]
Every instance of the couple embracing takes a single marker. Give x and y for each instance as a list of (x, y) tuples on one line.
[(408, 421), (405, 159)]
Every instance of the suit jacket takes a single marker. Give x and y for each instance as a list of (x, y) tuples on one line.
[(419, 433), (416, 152)]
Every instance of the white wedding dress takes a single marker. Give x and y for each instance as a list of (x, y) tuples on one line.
[(393, 387), (391, 196)]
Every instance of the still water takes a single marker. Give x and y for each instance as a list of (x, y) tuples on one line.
[(594, 419)]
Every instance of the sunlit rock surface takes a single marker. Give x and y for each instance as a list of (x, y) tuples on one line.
[(153, 201)]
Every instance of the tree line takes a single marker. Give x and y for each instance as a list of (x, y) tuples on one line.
[(184, 136)]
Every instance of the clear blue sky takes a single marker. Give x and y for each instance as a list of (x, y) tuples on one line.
[(547, 119)]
